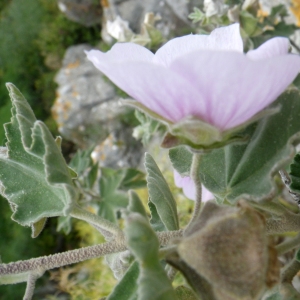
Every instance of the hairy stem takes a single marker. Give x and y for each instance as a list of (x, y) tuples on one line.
[(74, 256), (195, 175), (288, 245), (32, 278), (97, 221), (290, 271)]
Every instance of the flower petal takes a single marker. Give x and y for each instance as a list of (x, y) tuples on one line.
[(158, 88), (235, 87), (188, 187), (120, 52), (273, 47), (223, 38)]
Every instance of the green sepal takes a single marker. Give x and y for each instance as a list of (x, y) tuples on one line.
[(153, 282), (34, 176), (160, 195)]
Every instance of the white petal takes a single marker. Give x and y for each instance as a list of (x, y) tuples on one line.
[(223, 38), (273, 47)]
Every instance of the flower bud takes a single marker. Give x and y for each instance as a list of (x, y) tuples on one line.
[(231, 251)]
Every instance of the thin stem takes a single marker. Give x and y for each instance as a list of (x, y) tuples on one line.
[(290, 271), (74, 256), (288, 245), (195, 175), (97, 221), (32, 278)]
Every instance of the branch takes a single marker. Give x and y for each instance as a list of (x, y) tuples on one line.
[(107, 228), (288, 245), (74, 256)]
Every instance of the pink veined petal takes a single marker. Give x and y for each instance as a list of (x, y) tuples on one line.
[(273, 47), (223, 38), (188, 187), (235, 87), (158, 88)]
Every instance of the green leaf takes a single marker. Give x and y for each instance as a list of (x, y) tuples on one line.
[(184, 293), (136, 205), (160, 195), (111, 198), (181, 159), (37, 227), (127, 287), (133, 179), (64, 224), (247, 169), (33, 174), (155, 221), (153, 282), (147, 128)]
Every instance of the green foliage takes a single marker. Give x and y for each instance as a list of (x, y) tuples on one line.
[(147, 128), (197, 15), (34, 176), (127, 287), (181, 159), (163, 206), (153, 283), (295, 174), (58, 33), (239, 170)]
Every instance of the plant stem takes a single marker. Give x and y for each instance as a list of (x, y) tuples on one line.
[(288, 245), (195, 175), (290, 271), (32, 278), (97, 221), (74, 256)]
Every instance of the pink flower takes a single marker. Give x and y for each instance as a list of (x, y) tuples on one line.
[(188, 188), (204, 76)]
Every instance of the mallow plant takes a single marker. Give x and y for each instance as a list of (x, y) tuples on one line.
[(232, 127)]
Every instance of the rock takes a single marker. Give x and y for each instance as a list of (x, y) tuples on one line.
[(173, 14), (85, 12), (88, 112), (86, 108)]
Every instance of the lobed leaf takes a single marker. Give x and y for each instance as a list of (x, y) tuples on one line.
[(160, 195), (34, 177)]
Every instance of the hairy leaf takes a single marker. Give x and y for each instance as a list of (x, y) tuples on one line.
[(181, 159), (127, 287), (135, 204), (34, 177), (153, 282), (160, 195)]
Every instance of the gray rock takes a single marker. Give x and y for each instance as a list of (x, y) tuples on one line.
[(173, 13), (86, 108), (85, 12), (89, 113)]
